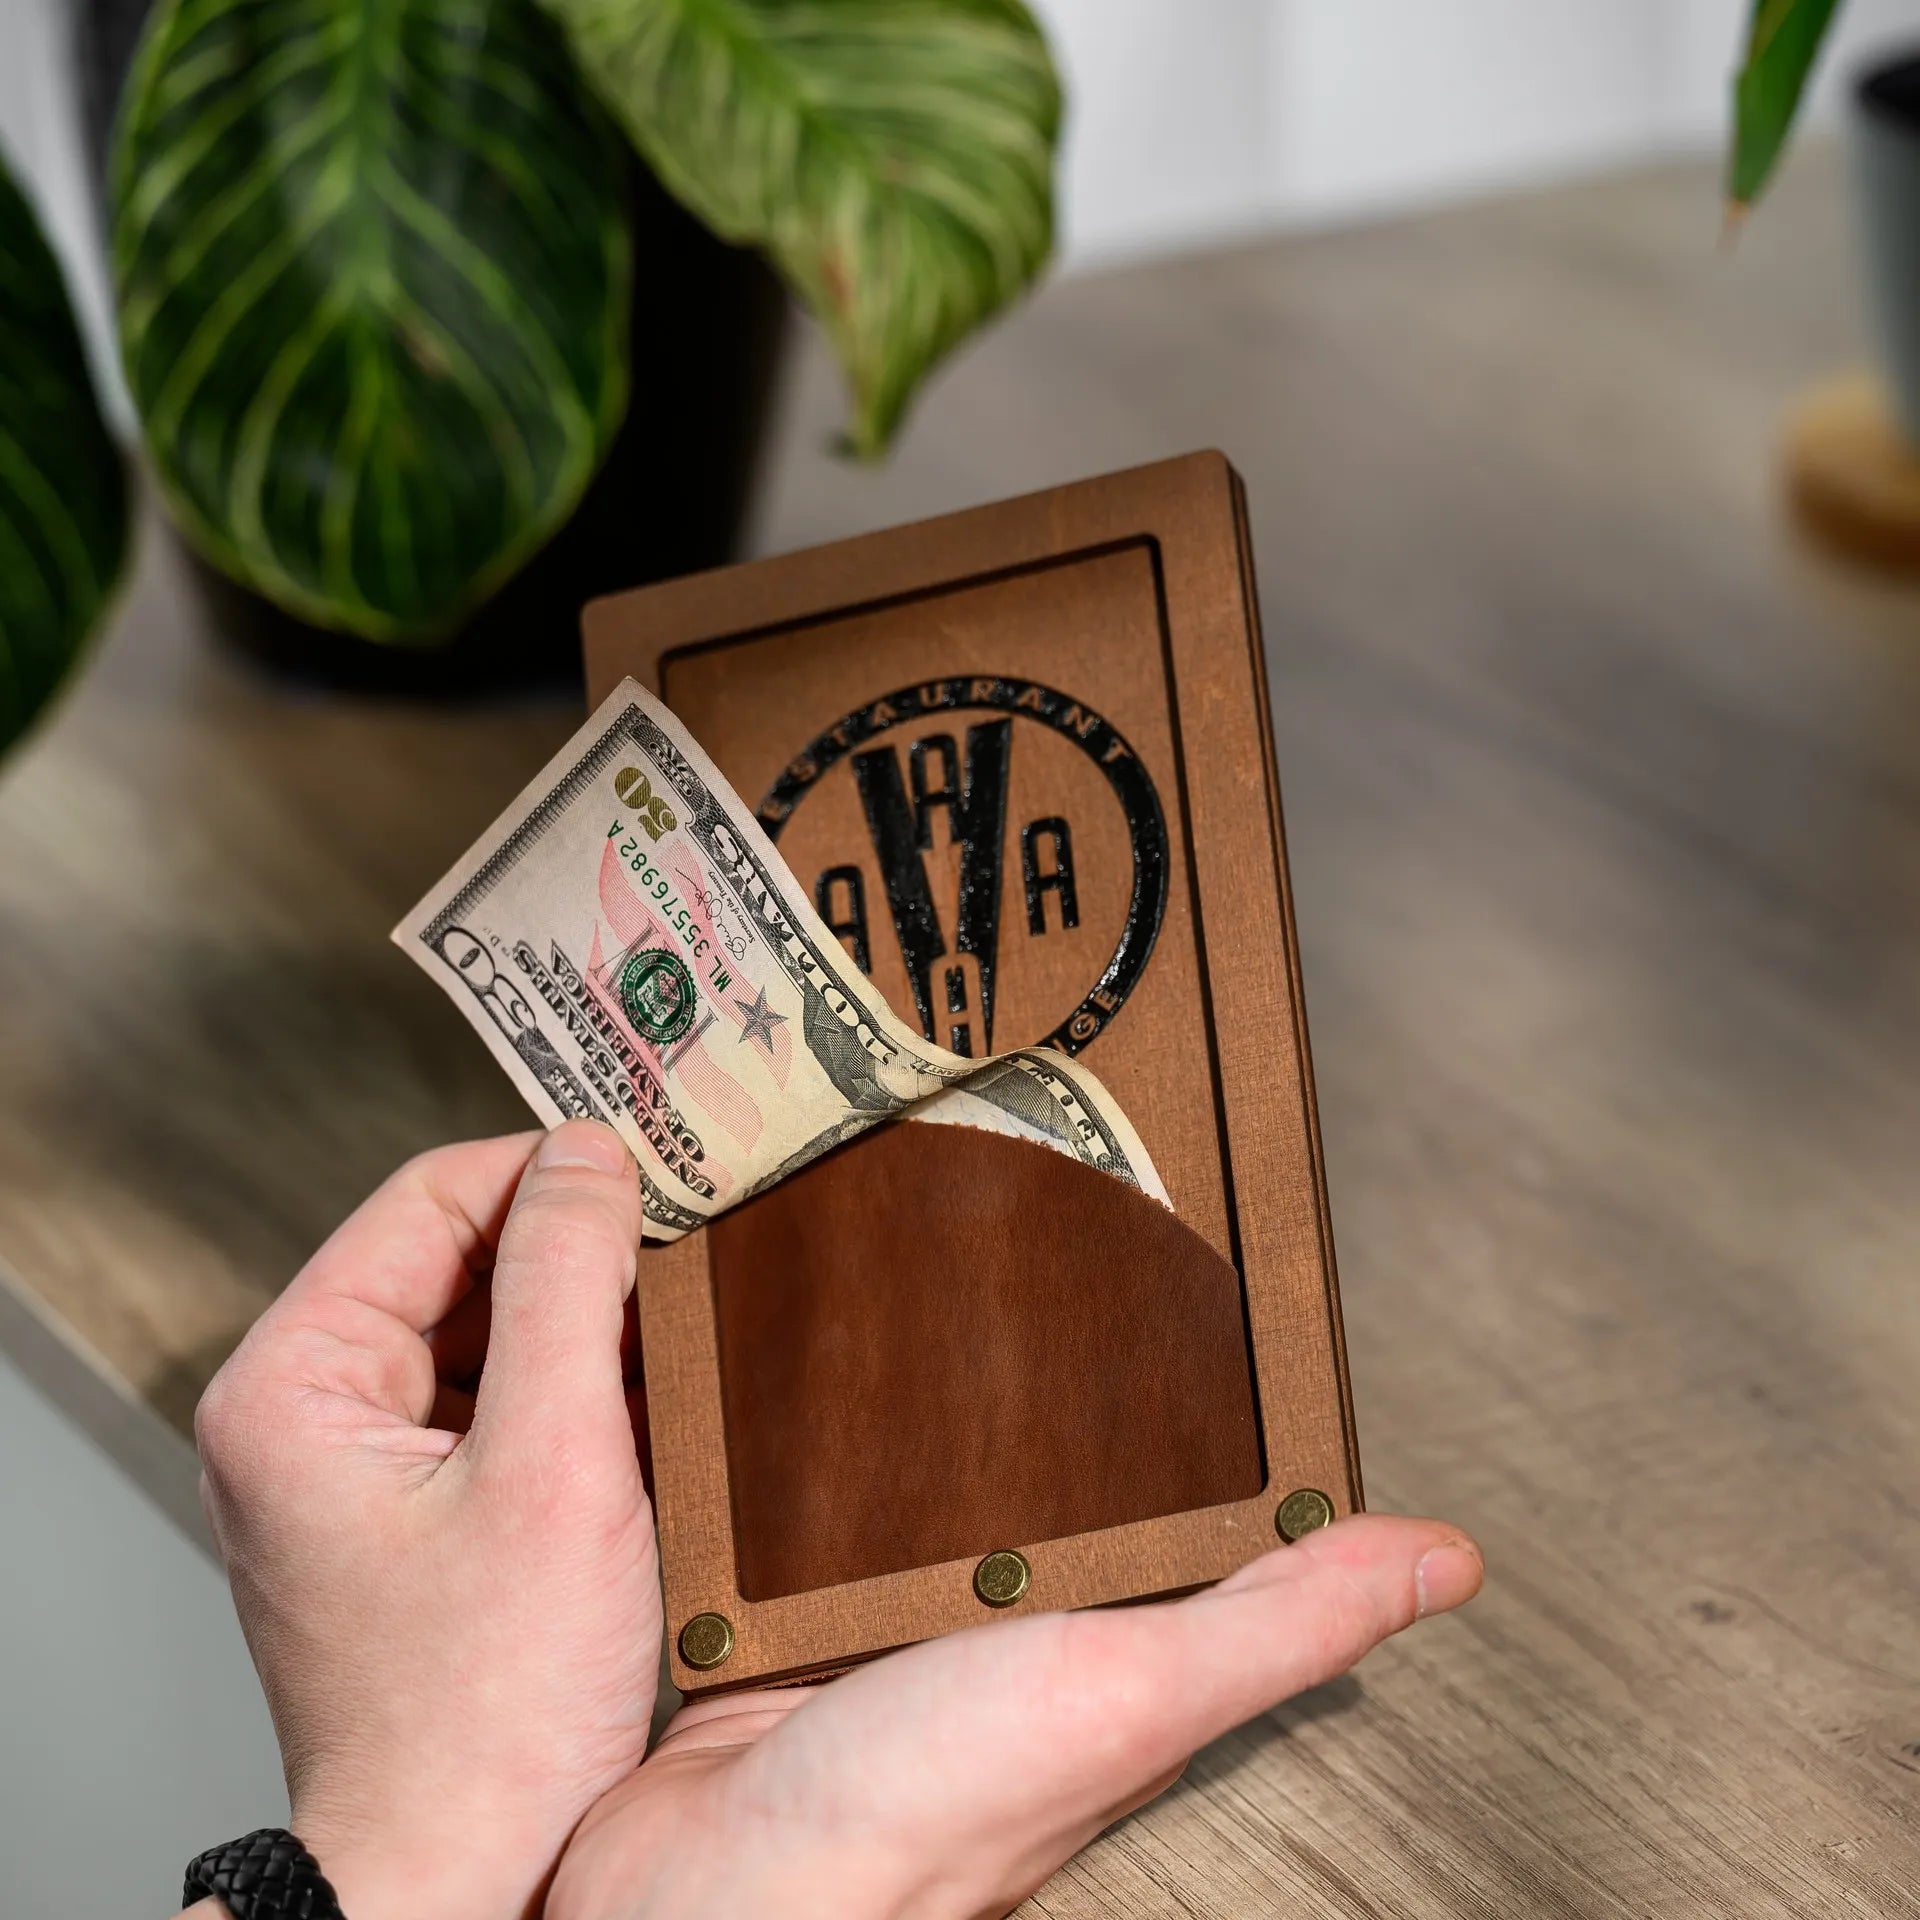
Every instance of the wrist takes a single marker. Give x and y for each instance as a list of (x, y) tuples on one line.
[(398, 1871)]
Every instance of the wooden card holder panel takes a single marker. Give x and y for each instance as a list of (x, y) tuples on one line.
[(1022, 757)]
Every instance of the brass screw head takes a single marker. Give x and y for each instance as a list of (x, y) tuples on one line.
[(1002, 1578), (1303, 1510), (706, 1640)]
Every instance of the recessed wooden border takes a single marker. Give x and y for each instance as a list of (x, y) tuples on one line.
[(1192, 511)]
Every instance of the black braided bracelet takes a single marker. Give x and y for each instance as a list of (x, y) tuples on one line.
[(266, 1875)]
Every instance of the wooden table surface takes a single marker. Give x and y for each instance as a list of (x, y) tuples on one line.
[(1604, 805)]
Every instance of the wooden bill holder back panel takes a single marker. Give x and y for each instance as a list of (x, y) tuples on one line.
[(1021, 757)]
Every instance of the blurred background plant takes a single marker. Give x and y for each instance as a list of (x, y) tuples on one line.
[(396, 280), (1784, 38), (425, 352), (63, 492)]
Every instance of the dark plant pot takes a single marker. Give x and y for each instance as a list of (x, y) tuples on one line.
[(1886, 144), (708, 325)]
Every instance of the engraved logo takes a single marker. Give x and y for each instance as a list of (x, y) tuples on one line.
[(983, 835)]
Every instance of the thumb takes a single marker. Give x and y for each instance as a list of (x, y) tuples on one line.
[(1090, 1713), (566, 1263)]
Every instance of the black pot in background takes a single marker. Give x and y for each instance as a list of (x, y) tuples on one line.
[(1886, 151), (708, 324)]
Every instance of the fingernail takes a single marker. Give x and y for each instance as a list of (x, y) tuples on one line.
[(583, 1143), (1446, 1577)]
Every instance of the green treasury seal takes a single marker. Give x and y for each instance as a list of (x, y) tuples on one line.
[(657, 992)]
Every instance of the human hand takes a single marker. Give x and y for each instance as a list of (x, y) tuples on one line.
[(453, 1602), (454, 1607), (947, 1782)]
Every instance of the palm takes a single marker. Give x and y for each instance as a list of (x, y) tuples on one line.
[(947, 1782)]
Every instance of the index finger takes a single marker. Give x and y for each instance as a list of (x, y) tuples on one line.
[(1101, 1707), (353, 1323), (414, 1248)]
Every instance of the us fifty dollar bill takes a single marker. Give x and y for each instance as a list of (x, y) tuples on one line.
[(630, 945)]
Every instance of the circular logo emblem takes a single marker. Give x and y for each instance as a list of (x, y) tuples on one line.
[(998, 836), (657, 991)]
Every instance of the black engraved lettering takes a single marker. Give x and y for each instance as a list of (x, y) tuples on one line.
[(891, 817), (976, 808), (1055, 878), (925, 797), (961, 995), (983, 833), (883, 794), (850, 921)]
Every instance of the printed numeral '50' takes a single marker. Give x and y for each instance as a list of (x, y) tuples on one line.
[(656, 817)]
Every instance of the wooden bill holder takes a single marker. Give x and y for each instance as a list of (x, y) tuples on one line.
[(1021, 757)]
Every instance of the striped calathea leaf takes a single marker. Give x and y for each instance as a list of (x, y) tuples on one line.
[(373, 275), (63, 497), (894, 158)]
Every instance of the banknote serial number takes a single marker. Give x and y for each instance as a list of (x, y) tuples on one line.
[(673, 910)]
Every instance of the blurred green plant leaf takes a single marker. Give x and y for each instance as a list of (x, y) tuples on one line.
[(1783, 41), (894, 158), (373, 274), (63, 487)]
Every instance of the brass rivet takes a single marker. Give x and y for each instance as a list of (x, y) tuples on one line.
[(706, 1640), (1002, 1578), (1302, 1511)]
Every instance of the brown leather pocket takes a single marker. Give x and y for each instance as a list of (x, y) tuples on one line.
[(939, 1341)]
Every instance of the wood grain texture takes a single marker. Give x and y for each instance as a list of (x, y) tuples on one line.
[(1603, 804)]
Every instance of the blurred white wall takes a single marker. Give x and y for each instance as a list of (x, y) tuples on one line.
[(1195, 120)]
